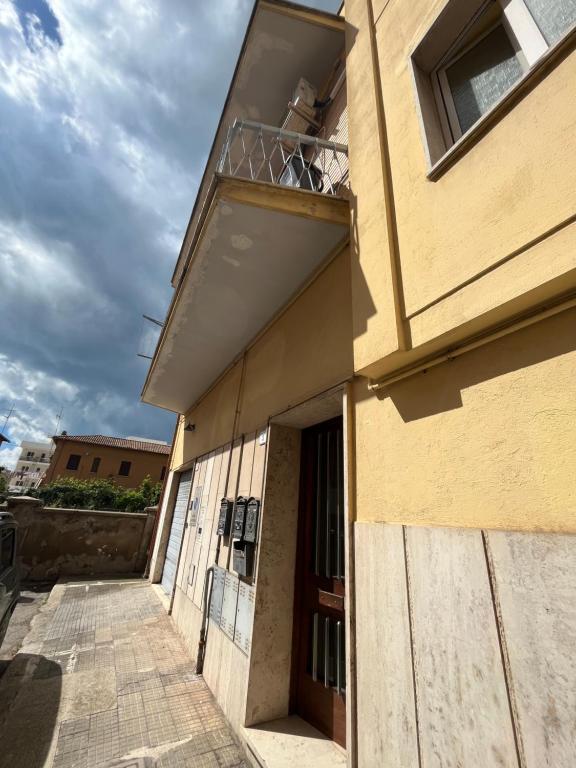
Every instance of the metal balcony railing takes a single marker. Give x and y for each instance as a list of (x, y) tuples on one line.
[(264, 153)]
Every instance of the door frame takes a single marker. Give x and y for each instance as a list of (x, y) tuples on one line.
[(303, 533)]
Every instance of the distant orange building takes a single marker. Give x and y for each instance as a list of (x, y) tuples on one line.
[(126, 461)]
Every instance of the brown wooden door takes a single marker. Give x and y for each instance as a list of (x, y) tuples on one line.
[(318, 682)]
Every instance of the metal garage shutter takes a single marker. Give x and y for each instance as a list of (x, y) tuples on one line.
[(176, 531)]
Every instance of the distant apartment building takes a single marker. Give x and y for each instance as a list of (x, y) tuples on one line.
[(125, 460), (31, 465)]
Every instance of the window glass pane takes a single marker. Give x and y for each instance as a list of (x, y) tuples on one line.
[(554, 17), (482, 75), (73, 461)]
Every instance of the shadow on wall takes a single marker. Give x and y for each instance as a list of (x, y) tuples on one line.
[(440, 389), (30, 693), (363, 307)]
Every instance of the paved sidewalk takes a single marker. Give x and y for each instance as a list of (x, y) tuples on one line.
[(104, 680), (32, 599)]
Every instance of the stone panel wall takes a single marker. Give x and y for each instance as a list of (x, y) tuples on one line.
[(77, 542)]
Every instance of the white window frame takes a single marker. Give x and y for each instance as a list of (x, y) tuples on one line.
[(526, 39), (444, 92), (521, 25)]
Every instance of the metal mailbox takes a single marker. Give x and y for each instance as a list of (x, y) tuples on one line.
[(225, 517), (251, 524), (243, 558), (239, 518)]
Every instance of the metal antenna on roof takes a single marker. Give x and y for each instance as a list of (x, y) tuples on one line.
[(8, 416)]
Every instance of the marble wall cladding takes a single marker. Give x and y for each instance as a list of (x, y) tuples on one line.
[(464, 644)]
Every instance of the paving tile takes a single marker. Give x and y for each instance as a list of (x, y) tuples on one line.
[(74, 742), (159, 720), (84, 660), (129, 727), (180, 759), (155, 705), (71, 760), (69, 727), (229, 757), (159, 736), (133, 741), (130, 705), (219, 737)]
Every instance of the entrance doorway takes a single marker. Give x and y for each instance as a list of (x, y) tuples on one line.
[(319, 655)]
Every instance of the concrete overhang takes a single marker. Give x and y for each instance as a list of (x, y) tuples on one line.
[(283, 43), (256, 246)]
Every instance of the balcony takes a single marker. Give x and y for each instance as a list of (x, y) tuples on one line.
[(276, 212), (276, 156)]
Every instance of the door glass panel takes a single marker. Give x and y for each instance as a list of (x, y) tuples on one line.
[(480, 77), (554, 17), (319, 530), (328, 518), (340, 571), (326, 661)]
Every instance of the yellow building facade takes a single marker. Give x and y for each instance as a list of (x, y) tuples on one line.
[(366, 535)]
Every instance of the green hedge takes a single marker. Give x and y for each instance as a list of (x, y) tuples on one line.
[(70, 493)]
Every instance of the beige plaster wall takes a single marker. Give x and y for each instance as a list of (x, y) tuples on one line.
[(491, 237), (485, 440), (213, 419), (307, 350)]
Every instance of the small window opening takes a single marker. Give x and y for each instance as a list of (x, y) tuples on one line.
[(124, 470), (73, 461)]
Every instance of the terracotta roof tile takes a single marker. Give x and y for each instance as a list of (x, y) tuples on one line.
[(117, 442)]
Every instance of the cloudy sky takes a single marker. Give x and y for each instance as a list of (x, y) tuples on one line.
[(107, 112)]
